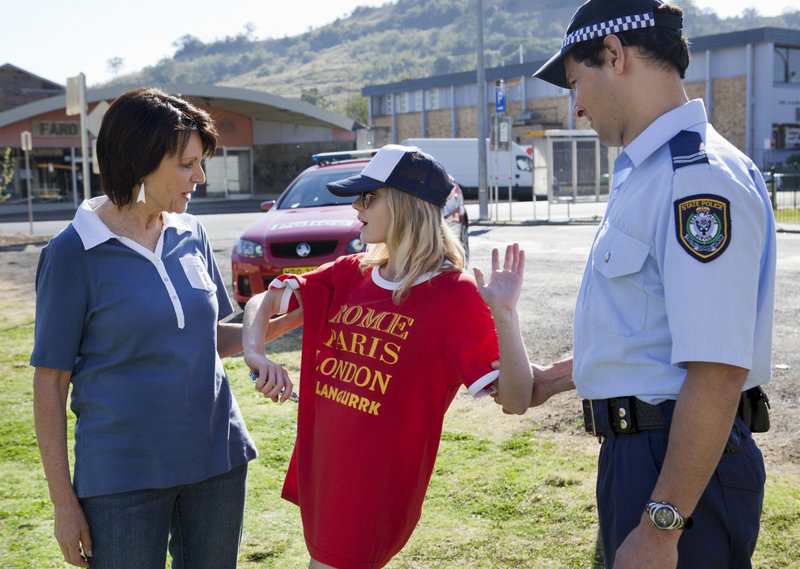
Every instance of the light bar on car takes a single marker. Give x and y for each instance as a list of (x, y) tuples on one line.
[(330, 157)]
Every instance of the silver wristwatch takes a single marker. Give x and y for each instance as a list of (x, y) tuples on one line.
[(665, 516)]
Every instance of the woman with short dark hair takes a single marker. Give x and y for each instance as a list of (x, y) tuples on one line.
[(128, 313)]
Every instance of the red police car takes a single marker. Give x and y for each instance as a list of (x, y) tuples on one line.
[(308, 226)]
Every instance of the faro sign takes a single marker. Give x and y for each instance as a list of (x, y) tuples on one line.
[(56, 129)]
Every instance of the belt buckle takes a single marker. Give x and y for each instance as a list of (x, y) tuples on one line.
[(588, 415)]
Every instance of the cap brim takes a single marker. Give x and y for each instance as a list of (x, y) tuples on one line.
[(554, 71), (355, 185)]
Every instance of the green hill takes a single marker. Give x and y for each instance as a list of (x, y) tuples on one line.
[(404, 39)]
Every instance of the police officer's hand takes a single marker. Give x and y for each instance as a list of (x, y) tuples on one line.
[(648, 547), (541, 384), (547, 381), (550, 380)]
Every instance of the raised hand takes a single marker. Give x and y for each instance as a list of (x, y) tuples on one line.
[(502, 291)]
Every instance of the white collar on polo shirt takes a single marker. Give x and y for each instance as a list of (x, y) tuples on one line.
[(93, 231)]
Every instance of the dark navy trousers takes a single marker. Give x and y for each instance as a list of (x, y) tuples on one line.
[(726, 520)]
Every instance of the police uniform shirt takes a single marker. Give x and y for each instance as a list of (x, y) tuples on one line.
[(682, 267)]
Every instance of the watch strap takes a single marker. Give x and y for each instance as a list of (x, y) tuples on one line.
[(678, 522)]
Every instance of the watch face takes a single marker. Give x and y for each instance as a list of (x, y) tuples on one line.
[(664, 517)]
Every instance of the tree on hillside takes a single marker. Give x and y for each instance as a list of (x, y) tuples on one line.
[(441, 65), (314, 97), (403, 39), (188, 45), (250, 31), (115, 65), (357, 108)]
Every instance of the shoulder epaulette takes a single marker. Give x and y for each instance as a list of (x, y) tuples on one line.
[(687, 148)]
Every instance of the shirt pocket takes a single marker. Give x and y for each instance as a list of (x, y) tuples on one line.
[(195, 269), (618, 302)]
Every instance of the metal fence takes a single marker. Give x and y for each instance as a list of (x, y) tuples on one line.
[(785, 191)]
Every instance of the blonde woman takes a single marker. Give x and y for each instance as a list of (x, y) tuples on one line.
[(389, 337)]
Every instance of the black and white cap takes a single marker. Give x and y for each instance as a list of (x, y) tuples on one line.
[(406, 168), (600, 18)]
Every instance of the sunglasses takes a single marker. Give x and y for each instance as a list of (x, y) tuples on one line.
[(366, 198)]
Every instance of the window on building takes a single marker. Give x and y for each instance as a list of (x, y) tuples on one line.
[(786, 65), (402, 103), (432, 99), (417, 101)]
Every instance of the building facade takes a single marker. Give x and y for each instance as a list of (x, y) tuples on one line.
[(19, 87), (264, 140), (749, 81)]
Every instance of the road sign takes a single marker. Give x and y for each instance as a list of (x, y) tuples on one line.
[(76, 94), (26, 141), (94, 118), (503, 134), (500, 100)]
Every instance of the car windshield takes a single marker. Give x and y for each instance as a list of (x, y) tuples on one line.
[(524, 163), (309, 190)]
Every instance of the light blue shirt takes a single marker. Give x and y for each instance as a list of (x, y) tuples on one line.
[(647, 306), (137, 329)]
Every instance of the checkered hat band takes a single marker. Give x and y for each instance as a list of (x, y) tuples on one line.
[(635, 22)]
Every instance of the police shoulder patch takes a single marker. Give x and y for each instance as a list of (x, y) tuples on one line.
[(703, 225), (687, 148)]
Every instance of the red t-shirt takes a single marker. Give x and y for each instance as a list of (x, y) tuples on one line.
[(375, 382)]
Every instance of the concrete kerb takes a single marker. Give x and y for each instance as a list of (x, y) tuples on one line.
[(531, 222)]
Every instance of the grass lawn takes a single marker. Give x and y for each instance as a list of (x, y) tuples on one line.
[(787, 215), (505, 493)]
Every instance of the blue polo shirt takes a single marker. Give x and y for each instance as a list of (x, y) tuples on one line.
[(137, 329), (682, 267)]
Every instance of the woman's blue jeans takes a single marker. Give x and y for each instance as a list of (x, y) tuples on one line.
[(201, 524)]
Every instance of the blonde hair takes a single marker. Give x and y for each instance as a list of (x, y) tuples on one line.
[(420, 240)]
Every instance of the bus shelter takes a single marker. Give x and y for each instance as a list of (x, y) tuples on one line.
[(578, 166)]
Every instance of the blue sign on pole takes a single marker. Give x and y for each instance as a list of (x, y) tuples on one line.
[(500, 101)]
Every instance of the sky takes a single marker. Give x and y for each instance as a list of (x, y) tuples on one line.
[(57, 39)]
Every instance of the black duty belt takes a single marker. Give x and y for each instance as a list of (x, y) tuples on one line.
[(627, 415), (620, 415)]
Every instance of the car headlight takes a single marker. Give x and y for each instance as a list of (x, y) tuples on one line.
[(247, 248), (355, 246)]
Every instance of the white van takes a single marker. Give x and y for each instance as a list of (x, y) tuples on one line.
[(460, 157)]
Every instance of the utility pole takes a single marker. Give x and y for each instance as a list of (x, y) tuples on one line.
[(483, 192), (27, 146), (76, 105)]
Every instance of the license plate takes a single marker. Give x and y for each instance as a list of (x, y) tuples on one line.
[(297, 270)]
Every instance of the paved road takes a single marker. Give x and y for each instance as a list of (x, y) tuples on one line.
[(561, 242)]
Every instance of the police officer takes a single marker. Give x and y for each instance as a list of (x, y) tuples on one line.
[(673, 321)]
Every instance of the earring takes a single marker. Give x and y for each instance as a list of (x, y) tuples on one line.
[(141, 197)]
